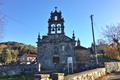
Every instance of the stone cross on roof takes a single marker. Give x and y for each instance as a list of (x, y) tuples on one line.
[(56, 7)]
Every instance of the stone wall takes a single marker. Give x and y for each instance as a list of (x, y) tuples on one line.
[(82, 56), (17, 69), (95, 73), (112, 67), (87, 75)]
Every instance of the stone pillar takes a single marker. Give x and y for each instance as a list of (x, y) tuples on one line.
[(39, 67), (42, 77), (58, 76)]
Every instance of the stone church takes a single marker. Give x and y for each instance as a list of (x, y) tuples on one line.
[(56, 51)]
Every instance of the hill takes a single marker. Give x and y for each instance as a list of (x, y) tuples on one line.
[(10, 52)]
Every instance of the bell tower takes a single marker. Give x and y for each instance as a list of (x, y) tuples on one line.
[(55, 23)]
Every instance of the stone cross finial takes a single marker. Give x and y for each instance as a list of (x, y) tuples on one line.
[(56, 7)]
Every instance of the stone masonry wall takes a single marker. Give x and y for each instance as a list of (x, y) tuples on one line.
[(87, 75), (17, 69)]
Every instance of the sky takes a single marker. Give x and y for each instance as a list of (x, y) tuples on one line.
[(24, 19)]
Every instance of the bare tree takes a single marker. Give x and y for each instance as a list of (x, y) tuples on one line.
[(112, 33)]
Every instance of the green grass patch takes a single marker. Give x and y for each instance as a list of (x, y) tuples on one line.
[(18, 77)]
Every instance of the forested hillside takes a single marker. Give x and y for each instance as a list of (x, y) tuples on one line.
[(10, 52)]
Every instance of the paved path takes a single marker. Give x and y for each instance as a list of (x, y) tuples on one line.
[(113, 76)]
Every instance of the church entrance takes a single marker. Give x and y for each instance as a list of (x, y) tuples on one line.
[(56, 59), (70, 64)]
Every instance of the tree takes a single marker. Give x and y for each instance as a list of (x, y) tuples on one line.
[(112, 35), (8, 56), (101, 45), (14, 54), (3, 55)]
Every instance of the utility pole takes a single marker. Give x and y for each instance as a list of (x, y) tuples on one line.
[(94, 45)]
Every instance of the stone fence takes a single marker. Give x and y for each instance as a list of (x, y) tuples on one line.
[(95, 73), (17, 69), (87, 75), (112, 67)]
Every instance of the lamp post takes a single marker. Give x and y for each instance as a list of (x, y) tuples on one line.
[(94, 46)]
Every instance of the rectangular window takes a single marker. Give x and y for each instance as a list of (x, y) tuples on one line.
[(63, 48)]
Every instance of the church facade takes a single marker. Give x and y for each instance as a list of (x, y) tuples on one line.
[(56, 51)]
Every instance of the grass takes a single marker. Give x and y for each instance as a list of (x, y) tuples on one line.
[(18, 77)]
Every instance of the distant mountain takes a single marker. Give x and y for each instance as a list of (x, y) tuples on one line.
[(12, 51)]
